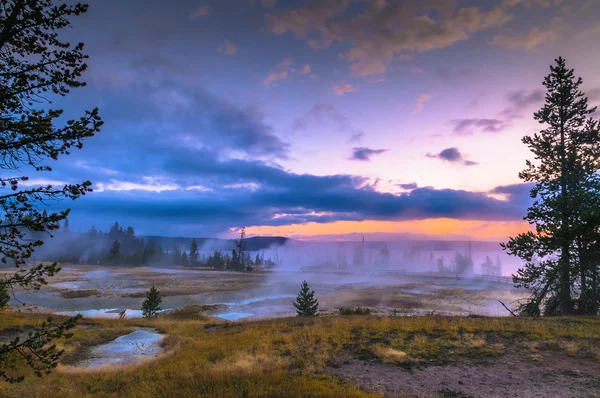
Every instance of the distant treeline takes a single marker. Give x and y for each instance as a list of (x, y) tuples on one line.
[(121, 246)]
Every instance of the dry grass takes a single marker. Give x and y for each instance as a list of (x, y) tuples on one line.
[(390, 355), (287, 357)]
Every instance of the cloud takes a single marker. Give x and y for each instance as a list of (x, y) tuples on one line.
[(319, 113), (535, 38), (319, 44), (149, 184), (303, 19), (520, 190), (343, 88), (265, 3), (200, 12), (305, 70), (518, 194), (364, 154), (520, 101), (383, 31), (531, 3), (470, 126), (449, 74), (281, 72), (327, 115), (227, 48), (408, 187), (356, 137), (158, 113), (420, 101), (174, 158), (294, 199), (591, 31), (451, 155), (594, 94)]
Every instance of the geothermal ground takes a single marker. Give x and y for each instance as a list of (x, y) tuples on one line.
[(193, 349), (103, 292)]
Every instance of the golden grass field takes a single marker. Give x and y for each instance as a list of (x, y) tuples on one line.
[(289, 357)]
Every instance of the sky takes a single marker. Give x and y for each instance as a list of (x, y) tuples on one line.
[(316, 119)]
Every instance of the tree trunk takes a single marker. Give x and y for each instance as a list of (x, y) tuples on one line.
[(595, 303), (565, 261), (583, 301)]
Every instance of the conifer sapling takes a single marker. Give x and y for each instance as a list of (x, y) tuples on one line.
[(151, 306), (306, 303)]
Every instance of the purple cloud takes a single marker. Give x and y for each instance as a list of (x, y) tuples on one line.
[(470, 126), (451, 155), (364, 154)]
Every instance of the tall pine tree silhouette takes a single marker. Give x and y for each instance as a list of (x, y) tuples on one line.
[(567, 153)]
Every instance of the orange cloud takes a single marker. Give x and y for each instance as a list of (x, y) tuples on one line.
[(343, 88), (420, 101)]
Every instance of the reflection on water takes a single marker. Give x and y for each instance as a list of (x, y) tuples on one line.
[(104, 313), (257, 299), (124, 350), (233, 316), (259, 306)]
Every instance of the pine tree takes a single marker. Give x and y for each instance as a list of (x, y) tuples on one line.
[(194, 250), (184, 259), (359, 254), (115, 251), (238, 254), (498, 265), (566, 192), (384, 253), (306, 303), (440, 264), (487, 268), (151, 305), (36, 64)]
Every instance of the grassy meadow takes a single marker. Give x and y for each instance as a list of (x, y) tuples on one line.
[(291, 356)]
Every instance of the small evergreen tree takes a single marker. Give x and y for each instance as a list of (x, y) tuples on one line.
[(184, 259), (115, 251), (487, 268), (306, 303), (194, 252), (440, 264), (463, 264), (151, 305), (384, 253)]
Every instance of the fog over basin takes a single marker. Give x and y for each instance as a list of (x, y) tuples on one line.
[(103, 293)]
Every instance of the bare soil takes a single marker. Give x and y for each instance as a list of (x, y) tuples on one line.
[(515, 374)]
